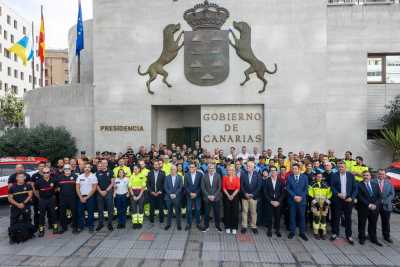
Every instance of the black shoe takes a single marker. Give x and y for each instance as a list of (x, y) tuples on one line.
[(41, 234), (323, 237), (219, 229), (166, 228), (291, 235), (269, 233), (361, 241), (333, 237), (350, 240), (187, 228), (151, 220), (278, 234), (75, 231), (63, 230), (205, 229), (119, 226), (316, 236), (199, 227), (255, 231), (243, 231), (123, 226), (55, 231), (388, 239), (110, 227), (376, 242), (99, 227), (91, 230), (179, 228), (304, 237)]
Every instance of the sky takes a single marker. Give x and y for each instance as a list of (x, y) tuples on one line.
[(59, 17)]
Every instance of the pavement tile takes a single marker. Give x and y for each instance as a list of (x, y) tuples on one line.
[(101, 252), (285, 257), (303, 257), (246, 247), (268, 257), (230, 264), (142, 244), (191, 263), (8, 260), (72, 262), (378, 259), (173, 254), (92, 262), (193, 245), (155, 254), (208, 245), (320, 258), (231, 256), (119, 252), (249, 256), (213, 255), (159, 245), (359, 260), (177, 245), (339, 259), (137, 253), (132, 262), (191, 255), (210, 264), (112, 262)]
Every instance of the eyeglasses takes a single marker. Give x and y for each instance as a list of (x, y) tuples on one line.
[(46, 173)]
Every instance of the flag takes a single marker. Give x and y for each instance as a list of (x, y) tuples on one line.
[(20, 48), (42, 45), (31, 53), (79, 32)]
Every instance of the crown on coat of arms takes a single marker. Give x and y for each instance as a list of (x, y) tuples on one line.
[(206, 16)]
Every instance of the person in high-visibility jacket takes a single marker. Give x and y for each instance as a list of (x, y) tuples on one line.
[(145, 172), (122, 165), (166, 167), (137, 186), (348, 160), (358, 169), (320, 193)]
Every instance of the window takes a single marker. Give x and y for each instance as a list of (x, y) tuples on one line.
[(6, 87), (1, 11), (37, 67), (46, 72), (25, 90), (1, 66), (30, 78), (15, 24), (47, 82), (15, 73), (14, 89), (383, 68), (21, 75), (1, 48), (12, 38), (5, 35), (34, 81), (7, 53), (24, 30), (15, 58), (8, 20), (1, 85), (9, 71)]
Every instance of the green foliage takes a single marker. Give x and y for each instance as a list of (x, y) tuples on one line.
[(41, 141), (391, 136), (12, 110), (392, 118)]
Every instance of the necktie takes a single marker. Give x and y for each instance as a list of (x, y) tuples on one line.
[(173, 181), (381, 186), (155, 181), (250, 176), (297, 178), (369, 189)]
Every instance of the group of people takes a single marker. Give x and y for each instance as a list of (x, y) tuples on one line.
[(257, 188)]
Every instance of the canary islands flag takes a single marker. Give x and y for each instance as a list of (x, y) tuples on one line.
[(20, 49)]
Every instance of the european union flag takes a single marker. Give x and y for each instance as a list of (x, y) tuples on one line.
[(79, 32)]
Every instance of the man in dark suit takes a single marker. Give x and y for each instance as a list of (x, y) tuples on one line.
[(274, 193), (250, 185), (344, 192), (211, 190), (386, 205), (192, 189), (369, 198), (297, 187), (173, 186), (155, 186)]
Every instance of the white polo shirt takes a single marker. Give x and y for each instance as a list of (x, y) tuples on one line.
[(86, 183)]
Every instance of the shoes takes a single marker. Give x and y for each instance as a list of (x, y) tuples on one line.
[(234, 231), (75, 231), (179, 228), (228, 231), (110, 227), (167, 227), (333, 237), (205, 229), (323, 237), (199, 227), (350, 240), (151, 220), (55, 231), (243, 231), (218, 229), (388, 239), (376, 242), (123, 226), (119, 226), (41, 234), (63, 230), (291, 235), (269, 233), (255, 231), (304, 237), (91, 229), (99, 227), (361, 241), (316, 236), (187, 227), (278, 234)]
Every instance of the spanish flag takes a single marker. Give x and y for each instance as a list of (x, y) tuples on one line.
[(20, 49), (42, 46)]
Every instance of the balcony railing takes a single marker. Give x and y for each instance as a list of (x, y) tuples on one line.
[(361, 2)]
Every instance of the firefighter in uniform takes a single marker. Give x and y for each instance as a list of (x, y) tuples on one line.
[(19, 196), (65, 184), (145, 172), (137, 186), (45, 187), (320, 193), (35, 199), (358, 169)]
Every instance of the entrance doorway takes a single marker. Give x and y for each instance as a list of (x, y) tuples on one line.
[(186, 135)]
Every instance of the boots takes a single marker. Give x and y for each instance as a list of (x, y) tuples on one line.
[(41, 231)]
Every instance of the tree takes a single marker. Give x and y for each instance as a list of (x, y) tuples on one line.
[(391, 137), (392, 119), (12, 110), (41, 141)]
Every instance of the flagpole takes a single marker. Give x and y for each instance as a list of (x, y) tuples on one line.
[(33, 58), (79, 68), (41, 63)]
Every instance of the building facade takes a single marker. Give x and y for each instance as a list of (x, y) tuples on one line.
[(14, 76), (56, 67), (325, 94)]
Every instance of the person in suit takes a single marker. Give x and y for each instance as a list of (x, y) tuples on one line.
[(173, 186), (211, 190), (250, 185), (344, 192), (369, 198), (297, 186), (386, 206), (192, 187), (274, 193), (155, 186)]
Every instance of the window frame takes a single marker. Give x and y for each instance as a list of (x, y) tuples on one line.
[(383, 56)]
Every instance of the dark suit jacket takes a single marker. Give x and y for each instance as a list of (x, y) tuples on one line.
[(299, 188), (387, 195), (214, 190), (351, 186), (191, 187), (151, 181), (364, 198), (169, 189), (253, 188), (274, 195)]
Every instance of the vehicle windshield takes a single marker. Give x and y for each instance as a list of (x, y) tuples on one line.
[(8, 169)]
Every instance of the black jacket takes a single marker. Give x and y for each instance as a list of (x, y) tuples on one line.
[(274, 195), (151, 181)]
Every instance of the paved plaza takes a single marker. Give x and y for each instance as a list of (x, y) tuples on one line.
[(153, 246)]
